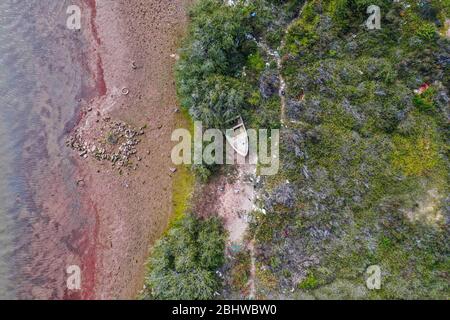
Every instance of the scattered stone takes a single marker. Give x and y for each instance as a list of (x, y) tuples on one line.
[(173, 170), (282, 195), (117, 147), (125, 91)]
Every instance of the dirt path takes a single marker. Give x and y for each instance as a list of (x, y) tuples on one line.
[(235, 205), (238, 198), (231, 196), (276, 55), (236, 202)]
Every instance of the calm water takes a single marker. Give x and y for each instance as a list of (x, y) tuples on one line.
[(41, 80)]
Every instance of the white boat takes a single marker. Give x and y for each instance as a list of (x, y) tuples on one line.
[(237, 136)]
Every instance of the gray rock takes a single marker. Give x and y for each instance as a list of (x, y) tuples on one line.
[(269, 84), (282, 195)]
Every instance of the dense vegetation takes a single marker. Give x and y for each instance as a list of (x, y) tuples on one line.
[(208, 73), (222, 73), (366, 157), (184, 262), (365, 171), (220, 67)]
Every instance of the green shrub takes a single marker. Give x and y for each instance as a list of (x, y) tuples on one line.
[(211, 62), (425, 101), (427, 31), (202, 172), (309, 283), (183, 262), (256, 62)]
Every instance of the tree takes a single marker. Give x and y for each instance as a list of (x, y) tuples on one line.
[(184, 262), (212, 60)]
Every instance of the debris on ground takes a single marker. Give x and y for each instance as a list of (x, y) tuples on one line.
[(422, 88)]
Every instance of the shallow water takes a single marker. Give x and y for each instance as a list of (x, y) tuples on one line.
[(42, 78)]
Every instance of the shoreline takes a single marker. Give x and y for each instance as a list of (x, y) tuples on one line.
[(90, 214), (132, 211)]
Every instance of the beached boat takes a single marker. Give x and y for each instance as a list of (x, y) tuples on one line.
[(237, 136)]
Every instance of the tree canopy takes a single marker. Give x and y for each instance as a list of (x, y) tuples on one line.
[(183, 264)]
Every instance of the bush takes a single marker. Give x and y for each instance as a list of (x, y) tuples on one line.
[(415, 156), (219, 99), (240, 272), (256, 62), (212, 61), (310, 282), (427, 31), (425, 101), (202, 172), (184, 262), (363, 155)]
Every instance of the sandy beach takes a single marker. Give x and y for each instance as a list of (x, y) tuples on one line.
[(135, 44), (121, 213)]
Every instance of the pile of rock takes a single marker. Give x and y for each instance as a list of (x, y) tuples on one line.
[(118, 146)]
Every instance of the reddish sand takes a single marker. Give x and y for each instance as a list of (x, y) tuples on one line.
[(132, 209), (110, 227)]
